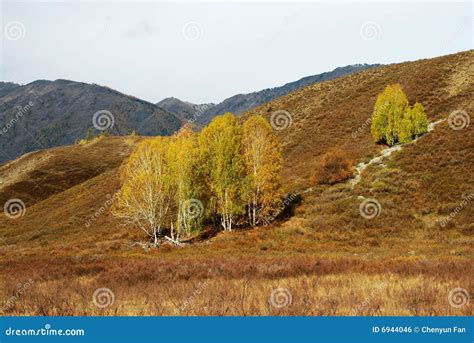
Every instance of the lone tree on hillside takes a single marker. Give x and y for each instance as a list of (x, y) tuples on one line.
[(393, 120), (263, 160), (331, 168)]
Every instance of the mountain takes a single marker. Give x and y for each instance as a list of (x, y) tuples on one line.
[(183, 109), (240, 103), (44, 114)]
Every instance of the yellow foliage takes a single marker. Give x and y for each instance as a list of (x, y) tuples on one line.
[(263, 160)]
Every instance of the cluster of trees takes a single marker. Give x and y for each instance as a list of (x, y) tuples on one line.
[(394, 120), (228, 171)]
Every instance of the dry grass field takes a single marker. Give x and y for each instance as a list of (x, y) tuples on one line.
[(240, 286), (67, 255)]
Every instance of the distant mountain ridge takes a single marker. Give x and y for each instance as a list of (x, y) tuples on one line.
[(241, 103), (45, 114), (7, 87), (183, 109), (62, 111)]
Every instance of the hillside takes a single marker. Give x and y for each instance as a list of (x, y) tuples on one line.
[(323, 115), (241, 103), (44, 114), (326, 253)]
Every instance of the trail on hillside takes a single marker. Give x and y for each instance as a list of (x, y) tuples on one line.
[(386, 153), (382, 155)]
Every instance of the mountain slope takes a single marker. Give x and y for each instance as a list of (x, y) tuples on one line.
[(7, 87), (240, 103), (45, 114), (416, 187), (335, 113)]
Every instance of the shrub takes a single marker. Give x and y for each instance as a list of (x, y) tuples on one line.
[(331, 168)]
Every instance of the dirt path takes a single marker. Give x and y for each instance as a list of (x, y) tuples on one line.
[(378, 158), (386, 153)]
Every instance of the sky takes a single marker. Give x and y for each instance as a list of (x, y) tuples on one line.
[(207, 51)]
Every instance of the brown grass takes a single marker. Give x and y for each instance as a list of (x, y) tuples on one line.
[(239, 287)]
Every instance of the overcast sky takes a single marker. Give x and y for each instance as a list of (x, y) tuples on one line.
[(205, 52)]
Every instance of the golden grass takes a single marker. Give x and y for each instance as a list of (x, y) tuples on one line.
[(271, 287)]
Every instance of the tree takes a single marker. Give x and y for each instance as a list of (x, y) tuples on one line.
[(393, 120), (405, 128), (221, 152), (147, 188), (419, 118), (332, 167), (262, 152), (183, 161), (389, 110)]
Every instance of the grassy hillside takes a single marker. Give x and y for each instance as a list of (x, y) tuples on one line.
[(327, 255)]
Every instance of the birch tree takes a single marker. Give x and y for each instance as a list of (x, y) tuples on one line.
[(262, 152), (393, 120), (184, 163), (221, 152), (389, 112), (147, 188)]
